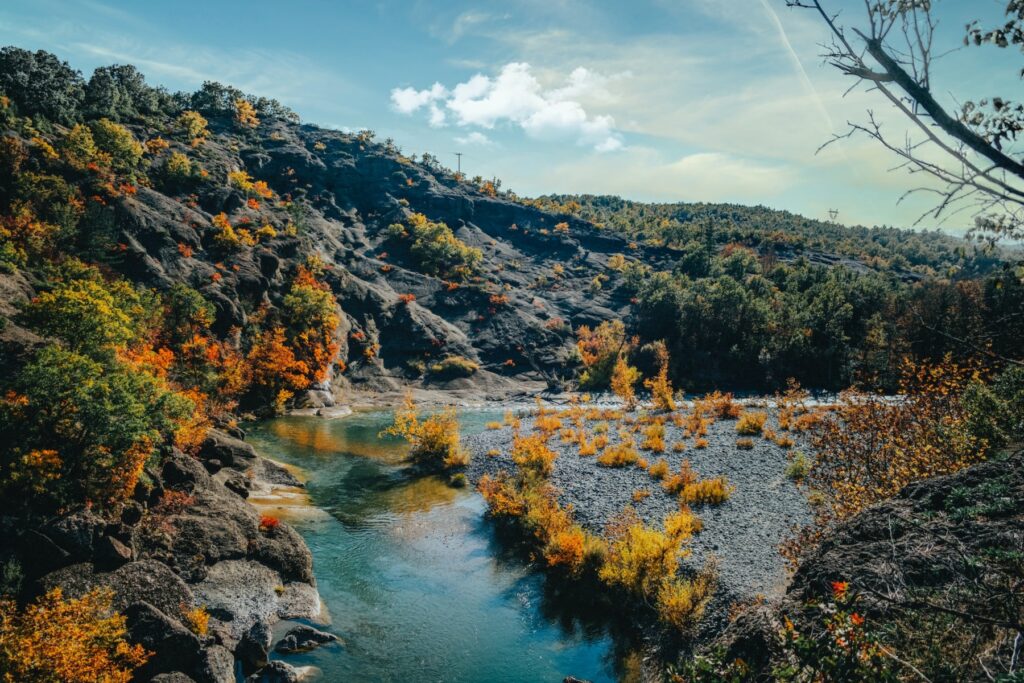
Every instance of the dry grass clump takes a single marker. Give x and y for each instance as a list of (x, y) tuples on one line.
[(678, 447), (784, 440), (744, 444), (640, 494), (494, 425), (751, 423), (700, 443)]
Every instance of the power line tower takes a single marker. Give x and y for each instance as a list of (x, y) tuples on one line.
[(833, 214), (459, 167)]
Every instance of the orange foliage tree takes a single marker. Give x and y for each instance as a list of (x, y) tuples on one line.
[(54, 640), (272, 370), (311, 317)]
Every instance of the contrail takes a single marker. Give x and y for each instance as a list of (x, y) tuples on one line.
[(798, 65)]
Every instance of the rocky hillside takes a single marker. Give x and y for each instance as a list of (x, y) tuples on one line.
[(512, 318), (932, 576)]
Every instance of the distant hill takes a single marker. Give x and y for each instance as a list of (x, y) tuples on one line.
[(922, 252)]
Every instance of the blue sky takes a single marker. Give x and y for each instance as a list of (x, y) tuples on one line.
[(659, 100)]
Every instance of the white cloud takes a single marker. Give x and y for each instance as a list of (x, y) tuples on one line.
[(517, 97), (475, 138)]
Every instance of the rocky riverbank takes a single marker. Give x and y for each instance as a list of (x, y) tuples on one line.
[(189, 540), (742, 533)]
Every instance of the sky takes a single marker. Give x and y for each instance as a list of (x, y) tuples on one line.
[(653, 100)]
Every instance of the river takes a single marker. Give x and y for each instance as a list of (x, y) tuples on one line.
[(411, 573)]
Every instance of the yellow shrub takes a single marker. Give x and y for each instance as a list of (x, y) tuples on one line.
[(751, 423), (640, 559), (721, 405), (678, 447), (706, 492), (547, 423), (494, 425), (784, 441), (502, 497), (618, 455), (744, 444), (640, 494), (198, 620), (700, 443), (654, 438), (511, 420), (532, 455), (681, 602), (683, 524), (624, 378), (587, 448), (434, 441), (659, 470)]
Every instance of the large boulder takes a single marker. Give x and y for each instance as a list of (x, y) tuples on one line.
[(231, 452), (303, 639), (174, 647), (253, 649), (142, 581)]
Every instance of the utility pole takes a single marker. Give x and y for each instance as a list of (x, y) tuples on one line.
[(833, 214), (459, 168)]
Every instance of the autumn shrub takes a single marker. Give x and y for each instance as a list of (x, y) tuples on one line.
[(434, 442), (681, 602), (721, 406), (624, 378), (273, 373), (751, 423), (198, 620), (870, 447), (659, 385), (588, 447), (503, 497), (599, 349), (640, 559), (659, 470), (700, 443), (532, 455), (798, 467), (618, 455), (639, 495), (654, 438), (745, 444), (454, 366), (194, 127), (712, 491), (494, 425), (57, 640)]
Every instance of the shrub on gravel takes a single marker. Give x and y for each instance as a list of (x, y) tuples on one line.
[(618, 455), (745, 444), (751, 423)]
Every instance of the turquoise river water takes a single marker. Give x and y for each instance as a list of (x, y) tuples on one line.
[(411, 573)]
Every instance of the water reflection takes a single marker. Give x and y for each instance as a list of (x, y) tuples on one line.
[(418, 582)]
